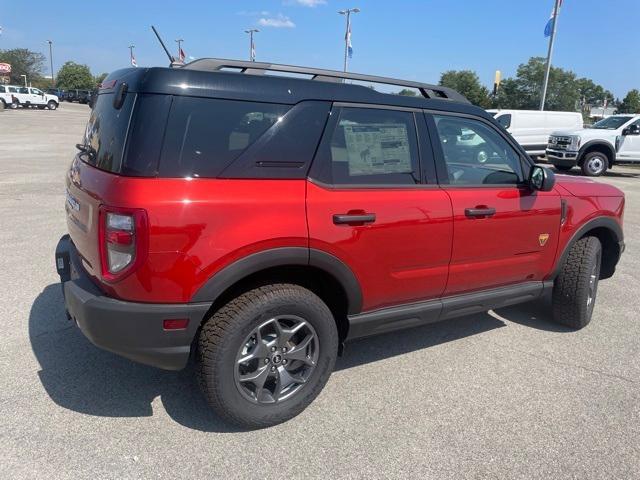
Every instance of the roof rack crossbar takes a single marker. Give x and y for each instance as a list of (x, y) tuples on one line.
[(259, 68)]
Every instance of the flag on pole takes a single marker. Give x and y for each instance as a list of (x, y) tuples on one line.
[(133, 60), (552, 19), (348, 39), (182, 55)]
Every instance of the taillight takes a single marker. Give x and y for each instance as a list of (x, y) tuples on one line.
[(123, 237)]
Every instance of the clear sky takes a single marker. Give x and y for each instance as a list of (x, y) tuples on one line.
[(415, 39)]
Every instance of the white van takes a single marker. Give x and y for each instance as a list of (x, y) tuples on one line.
[(531, 128)]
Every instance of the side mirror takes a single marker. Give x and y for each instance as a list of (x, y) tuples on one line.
[(631, 130), (541, 178)]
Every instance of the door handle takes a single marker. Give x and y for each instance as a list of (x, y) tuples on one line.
[(480, 212), (354, 218)]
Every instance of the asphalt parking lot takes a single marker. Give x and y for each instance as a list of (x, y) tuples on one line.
[(506, 394)]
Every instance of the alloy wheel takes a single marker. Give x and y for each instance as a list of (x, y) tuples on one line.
[(276, 359)]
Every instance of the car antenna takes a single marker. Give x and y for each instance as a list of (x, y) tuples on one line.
[(172, 60)]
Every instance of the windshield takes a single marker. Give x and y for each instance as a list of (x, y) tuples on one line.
[(611, 123)]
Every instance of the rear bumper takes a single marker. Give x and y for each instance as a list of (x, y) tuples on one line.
[(562, 158), (132, 330)]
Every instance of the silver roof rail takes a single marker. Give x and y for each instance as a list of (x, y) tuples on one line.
[(259, 68)]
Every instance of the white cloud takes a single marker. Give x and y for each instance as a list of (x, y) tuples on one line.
[(279, 21), (253, 13), (306, 3)]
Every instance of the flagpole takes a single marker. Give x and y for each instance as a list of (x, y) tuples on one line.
[(556, 11), (131, 47), (179, 42)]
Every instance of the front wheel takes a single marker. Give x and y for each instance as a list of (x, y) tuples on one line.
[(594, 164), (265, 356), (52, 105), (575, 288)]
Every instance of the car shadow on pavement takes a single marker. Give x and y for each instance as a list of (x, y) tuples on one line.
[(81, 377)]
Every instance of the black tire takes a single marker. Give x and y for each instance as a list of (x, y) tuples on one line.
[(223, 337), (52, 105), (594, 164), (575, 288), (563, 168), (15, 105)]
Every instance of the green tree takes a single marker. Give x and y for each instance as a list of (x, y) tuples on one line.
[(630, 103), (407, 92), (73, 75), (468, 84), (23, 62), (592, 94), (524, 91), (100, 78)]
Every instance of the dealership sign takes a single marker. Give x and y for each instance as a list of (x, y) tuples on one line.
[(5, 68)]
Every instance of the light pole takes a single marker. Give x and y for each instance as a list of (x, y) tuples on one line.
[(51, 60), (252, 47), (347, 33), (25, 79), (179, 42)]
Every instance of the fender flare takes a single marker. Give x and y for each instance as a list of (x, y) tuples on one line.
[(591, 143), (282, 257), (602, 222)]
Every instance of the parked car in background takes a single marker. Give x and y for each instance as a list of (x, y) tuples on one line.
[(613, 140), (80, 96), (255, 223), (58, 92), (531, 128), (34, 97)]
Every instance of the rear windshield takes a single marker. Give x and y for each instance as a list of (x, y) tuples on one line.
[(205, 135), (106, 132)]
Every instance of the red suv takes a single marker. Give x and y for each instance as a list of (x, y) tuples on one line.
[(257, 221)]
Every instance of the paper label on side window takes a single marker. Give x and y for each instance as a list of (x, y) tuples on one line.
[(377, 148)]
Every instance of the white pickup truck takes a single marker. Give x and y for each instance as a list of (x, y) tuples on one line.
[(615, 139), (29, 96), (6, 100)]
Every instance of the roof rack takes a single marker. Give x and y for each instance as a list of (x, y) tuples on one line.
[(259, 68)]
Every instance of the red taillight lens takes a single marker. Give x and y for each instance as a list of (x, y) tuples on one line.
[(123, 241)]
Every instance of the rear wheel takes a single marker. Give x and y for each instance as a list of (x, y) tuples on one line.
[(594, 164), (52, 105), (264, 356), (575, 288), (563, 168)]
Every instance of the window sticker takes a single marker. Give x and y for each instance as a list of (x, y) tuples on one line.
[(378, 148)]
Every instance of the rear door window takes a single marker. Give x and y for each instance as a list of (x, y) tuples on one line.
[(204, 135), (371, 147), (106, 132)]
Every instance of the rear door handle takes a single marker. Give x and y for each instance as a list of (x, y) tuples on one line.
[(354, 218), (480, 212)]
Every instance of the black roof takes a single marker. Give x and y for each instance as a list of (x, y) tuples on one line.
[(238, 80)]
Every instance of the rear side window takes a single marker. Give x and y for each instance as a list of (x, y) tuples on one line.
[(203, 136), (106, 132), (2, 90)]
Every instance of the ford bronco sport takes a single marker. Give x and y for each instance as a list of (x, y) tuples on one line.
[(255, 221)]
